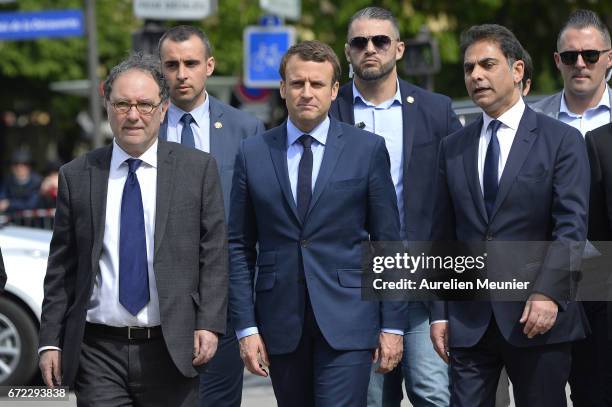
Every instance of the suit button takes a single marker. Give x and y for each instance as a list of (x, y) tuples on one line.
[(304, 243)]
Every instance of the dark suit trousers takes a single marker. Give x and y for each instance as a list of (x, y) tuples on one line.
[(315, 374), (137, 373), (221, 378), (538, 373), (591, 374)]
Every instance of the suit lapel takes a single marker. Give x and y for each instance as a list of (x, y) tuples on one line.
[(165, 186), (470, 164), (278, 153), (163, 128), (216, 132), (409, 117), (99, 168), (345, 104)]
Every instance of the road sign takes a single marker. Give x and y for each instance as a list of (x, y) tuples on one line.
[(174, 9), (264, 48), (41, 24), (291, 9)]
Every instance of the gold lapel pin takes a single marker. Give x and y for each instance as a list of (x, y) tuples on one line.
[(218, 125), (410, 99)]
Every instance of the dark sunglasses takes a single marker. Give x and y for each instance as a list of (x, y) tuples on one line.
[(589, 56), (380, 42)]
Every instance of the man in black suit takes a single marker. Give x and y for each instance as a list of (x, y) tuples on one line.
[(218, 129), (136, 284), (412, 121), (512, 175), (2, 274)]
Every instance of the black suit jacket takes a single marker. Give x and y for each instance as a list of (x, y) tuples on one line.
[(427, 118), (2, 274), (190, 251)]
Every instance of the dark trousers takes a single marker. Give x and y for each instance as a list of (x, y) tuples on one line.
[(315, 374), (221, 378), (538, 373), (123, 373), (591, 374)]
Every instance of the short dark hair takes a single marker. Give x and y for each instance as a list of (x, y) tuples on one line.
[(182, 33), (528, 69), (580, 19), (507, 41), (143, 62), (375, 13), (312, 51)]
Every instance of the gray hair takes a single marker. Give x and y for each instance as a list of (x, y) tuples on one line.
[(580, 19), (143, 62), (376, 13)]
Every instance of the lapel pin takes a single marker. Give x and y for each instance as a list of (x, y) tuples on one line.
[(410, 99), (218, 125)]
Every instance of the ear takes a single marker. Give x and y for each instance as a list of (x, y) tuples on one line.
[(210, 66), (609, 56), (347, 50), (335, 88), (282, 89), (164, 110), (557, 58), (399, 50), (518, 70)]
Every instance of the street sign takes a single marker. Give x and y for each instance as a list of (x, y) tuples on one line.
[(264, 48), (291, 9), (174, 9), (41, 24)]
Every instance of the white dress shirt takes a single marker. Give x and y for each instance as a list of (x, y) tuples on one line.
[(592, 118), (200, 126)]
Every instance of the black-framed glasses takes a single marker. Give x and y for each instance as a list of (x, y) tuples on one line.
[(142, 107), (589, 56), (380, 42)]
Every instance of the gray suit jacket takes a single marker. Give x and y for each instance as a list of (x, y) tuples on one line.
[(550, 105), (228, 127), (190, 251)]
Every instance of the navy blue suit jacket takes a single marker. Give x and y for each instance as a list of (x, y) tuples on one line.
[(543, 196), (225, 139), (353, 200), (426, 120)]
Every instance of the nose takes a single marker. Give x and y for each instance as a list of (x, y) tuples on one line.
[(133, 114), (181, 71), (580, 62), (370, 48), (307, 91)]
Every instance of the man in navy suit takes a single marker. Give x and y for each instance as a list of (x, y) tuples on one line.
[(198, 120), (513, 175), (307, 194), (412, 121)]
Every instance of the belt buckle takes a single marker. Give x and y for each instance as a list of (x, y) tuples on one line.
[(136, 329)]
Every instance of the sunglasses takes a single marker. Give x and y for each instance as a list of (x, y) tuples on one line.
[(380, 42), (589, 56)]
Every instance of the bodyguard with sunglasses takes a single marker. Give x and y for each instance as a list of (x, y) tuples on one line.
[(412, 122), (584, 58)]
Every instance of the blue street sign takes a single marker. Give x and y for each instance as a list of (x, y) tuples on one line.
[(264, 48), (39, 24)]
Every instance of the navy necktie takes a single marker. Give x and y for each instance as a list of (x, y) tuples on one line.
[(133, 270), (304, 184), (490, 173), (187, 138)]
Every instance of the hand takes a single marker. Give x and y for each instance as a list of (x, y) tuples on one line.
[(253, 353), (438, 332), (50, 365), (204, 346), (4, 204), (390, 348), (539, 315)]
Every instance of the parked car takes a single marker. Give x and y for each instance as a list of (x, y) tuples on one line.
[(25, 251)]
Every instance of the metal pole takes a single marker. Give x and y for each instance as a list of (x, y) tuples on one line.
[(95, 106)]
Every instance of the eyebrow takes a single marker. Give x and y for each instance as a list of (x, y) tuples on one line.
[(467, 65)]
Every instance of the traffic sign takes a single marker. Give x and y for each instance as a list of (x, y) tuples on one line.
[(41, 24), (264, 48), (291, 9), (174, 9)]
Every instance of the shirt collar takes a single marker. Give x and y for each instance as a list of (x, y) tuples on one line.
[(319, 133), (198, 114), (510, 118), (119, 155), (358, 97), (604, 101)]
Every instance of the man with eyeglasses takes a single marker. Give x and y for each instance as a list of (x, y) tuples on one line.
[(199, 120), (583, 57), (136, 284), (412, 121)]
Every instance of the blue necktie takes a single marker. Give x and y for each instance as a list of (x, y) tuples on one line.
[(490, 173), (133, 270), (187, 134), (304, 184)]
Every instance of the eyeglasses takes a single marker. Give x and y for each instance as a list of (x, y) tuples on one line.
[(380, 42), (142, 107), (589, 56)]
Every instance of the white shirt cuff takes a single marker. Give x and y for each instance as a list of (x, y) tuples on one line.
[(437, 320), (393, 331), (44, 348), (241, 333)]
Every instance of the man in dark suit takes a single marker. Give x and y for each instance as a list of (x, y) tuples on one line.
[(136, 285), (513, 175), (214, 127), (412, 121), (2, 274), (307, 194)]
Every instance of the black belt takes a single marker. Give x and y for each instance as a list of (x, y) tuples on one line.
[(126, 333)]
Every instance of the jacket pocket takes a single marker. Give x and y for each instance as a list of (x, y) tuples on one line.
[(350, 278)]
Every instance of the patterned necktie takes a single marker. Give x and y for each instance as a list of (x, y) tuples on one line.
[(304, 184), (490, 173), (133, 270), (187, 138)]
